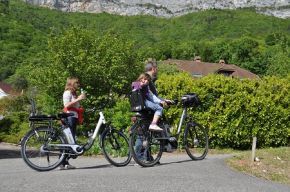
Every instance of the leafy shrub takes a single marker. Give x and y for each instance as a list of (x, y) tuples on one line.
[(119, 115), (15, 122)]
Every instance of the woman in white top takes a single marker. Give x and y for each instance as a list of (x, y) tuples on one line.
[(71, 102)]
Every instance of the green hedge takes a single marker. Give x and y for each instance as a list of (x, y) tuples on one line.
[(233, 110), (236, 110)]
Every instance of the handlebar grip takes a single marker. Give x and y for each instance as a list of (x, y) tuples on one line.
[(172, 102)]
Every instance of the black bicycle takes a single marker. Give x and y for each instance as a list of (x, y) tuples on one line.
[(44, 147), (147, 146)]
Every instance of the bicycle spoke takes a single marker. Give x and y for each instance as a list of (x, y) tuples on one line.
[(196, 141), (115, 147), (36, 154)]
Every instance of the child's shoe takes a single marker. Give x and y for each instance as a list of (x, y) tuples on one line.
[(154, 127)]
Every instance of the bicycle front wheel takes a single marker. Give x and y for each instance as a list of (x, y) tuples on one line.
[(115, 147), (195, 141), (146, 146), (37, 153)]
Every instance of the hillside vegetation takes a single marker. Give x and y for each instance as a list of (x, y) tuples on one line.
[(256, 42)]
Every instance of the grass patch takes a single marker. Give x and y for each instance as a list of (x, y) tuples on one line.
[(273, 164)]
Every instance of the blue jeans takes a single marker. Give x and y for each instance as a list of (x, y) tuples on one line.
[(72, 122), (139, 149), (155, 107), (142, 149)]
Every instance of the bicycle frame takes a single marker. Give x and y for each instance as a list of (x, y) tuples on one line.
[(80, 149), (99, 124), (182, 119)]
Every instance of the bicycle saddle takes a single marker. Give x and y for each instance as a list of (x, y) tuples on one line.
[(65, 115)]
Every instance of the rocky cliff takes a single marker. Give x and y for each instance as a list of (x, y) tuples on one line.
[(165, 8)]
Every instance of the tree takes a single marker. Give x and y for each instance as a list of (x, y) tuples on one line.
[(279, 62), (246, 53), (277, 39), (105, 65), (244, 50), (4, 6), (19, 83)]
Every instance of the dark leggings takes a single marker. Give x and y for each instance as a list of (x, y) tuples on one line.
[(72, 122)]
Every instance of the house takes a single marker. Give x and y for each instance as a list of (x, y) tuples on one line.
[(5, 89), (200, 69)]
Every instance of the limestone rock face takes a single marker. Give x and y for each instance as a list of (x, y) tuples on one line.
[(165, 8)]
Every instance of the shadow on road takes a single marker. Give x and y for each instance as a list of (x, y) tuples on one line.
[(96, 167), (9, 153), (174, 162)]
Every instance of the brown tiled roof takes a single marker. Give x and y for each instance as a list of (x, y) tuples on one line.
[(6, 87), (204, 68)]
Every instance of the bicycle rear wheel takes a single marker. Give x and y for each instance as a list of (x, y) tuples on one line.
[(35, 150), (145, 146), (115, 146), (195, 141)]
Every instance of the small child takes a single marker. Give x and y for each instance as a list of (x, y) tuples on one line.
[(151, 100)]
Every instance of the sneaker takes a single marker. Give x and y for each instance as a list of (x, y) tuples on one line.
[(69, 166), (136, 165), (155, 128), (61, 167), (65, 167)]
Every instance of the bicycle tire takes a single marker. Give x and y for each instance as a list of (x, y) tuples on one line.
[(35, 153), (145, 149), (196, 141), (115, 146)]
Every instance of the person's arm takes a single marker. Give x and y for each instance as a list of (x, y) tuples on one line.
[(71, 103), (67, 99)]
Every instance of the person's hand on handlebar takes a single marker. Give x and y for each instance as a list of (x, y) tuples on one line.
[(169, 102), (164, 104)]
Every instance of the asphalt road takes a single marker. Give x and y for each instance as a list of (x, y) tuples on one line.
[(176, 173)]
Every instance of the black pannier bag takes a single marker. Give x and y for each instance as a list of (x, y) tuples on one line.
[(136, 101), (190, 100)]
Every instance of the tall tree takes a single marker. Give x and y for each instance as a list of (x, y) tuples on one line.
[(105, 65)]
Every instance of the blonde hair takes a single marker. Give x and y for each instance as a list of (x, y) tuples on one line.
[(144, 76), (71, 84)]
